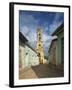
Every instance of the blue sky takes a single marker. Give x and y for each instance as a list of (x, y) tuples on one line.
[(29, 21)]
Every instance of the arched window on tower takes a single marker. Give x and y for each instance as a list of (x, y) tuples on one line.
[(39, 45), (39, 38), (39, 34)]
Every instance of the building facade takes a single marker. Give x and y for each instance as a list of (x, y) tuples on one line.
[(56, 52), (52, 52), (27, 55)]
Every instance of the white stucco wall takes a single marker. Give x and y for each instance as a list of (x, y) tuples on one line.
[(22, 56), (33, 58), (27, 56)]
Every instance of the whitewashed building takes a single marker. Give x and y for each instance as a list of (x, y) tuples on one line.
[(27, 55)]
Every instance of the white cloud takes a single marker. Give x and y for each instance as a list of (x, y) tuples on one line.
[(46, 37), (46, 26), (24, 30), (56, 23), (32, 36), (28, 26), (31, 19), (46, 42), (28, 20)]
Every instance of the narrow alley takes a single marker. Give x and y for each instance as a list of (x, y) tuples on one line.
[(42, 71)]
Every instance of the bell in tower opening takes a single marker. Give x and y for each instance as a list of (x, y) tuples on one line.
[(40, 49)]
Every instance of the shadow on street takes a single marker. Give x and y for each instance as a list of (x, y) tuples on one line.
[(47, 71)]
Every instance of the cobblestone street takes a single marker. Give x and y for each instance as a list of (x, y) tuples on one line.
[(42, 71)]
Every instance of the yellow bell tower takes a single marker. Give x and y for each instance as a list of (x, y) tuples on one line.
[(40, 49)]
